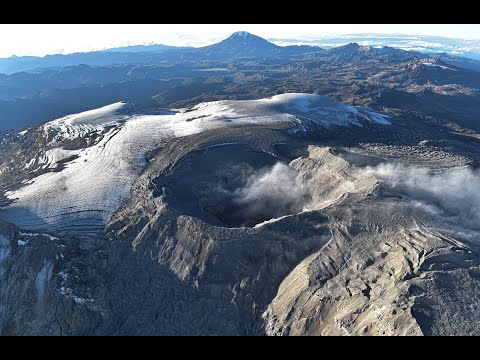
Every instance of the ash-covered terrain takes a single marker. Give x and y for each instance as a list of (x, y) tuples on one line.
[(284, 214)]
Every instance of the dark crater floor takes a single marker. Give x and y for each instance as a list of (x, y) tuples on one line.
[(210, 184)]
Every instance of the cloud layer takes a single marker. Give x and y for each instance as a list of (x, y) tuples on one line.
[(454, 193)]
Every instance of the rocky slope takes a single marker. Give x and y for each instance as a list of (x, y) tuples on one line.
[(269, 217)]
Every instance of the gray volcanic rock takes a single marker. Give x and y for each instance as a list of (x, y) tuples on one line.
[(268, 217), (380, 274), (37, 274)]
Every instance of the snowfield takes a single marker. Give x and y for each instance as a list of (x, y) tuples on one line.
[(81, 197)]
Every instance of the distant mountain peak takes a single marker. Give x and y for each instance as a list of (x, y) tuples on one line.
[(352, 46), (242, 34), (242, 44), (344, 50), (245, 36)]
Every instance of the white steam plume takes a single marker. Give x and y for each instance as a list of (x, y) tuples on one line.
[(271, 193), (453, 192)]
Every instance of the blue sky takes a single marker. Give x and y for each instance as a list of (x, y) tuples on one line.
[(42, 39)]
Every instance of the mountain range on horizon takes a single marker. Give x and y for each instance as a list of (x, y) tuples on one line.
[(243, 66), (239, 44)]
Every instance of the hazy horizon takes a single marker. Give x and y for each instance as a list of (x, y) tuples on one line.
[(43, 39)]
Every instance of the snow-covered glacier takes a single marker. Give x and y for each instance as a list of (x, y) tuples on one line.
[(95, 179)]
